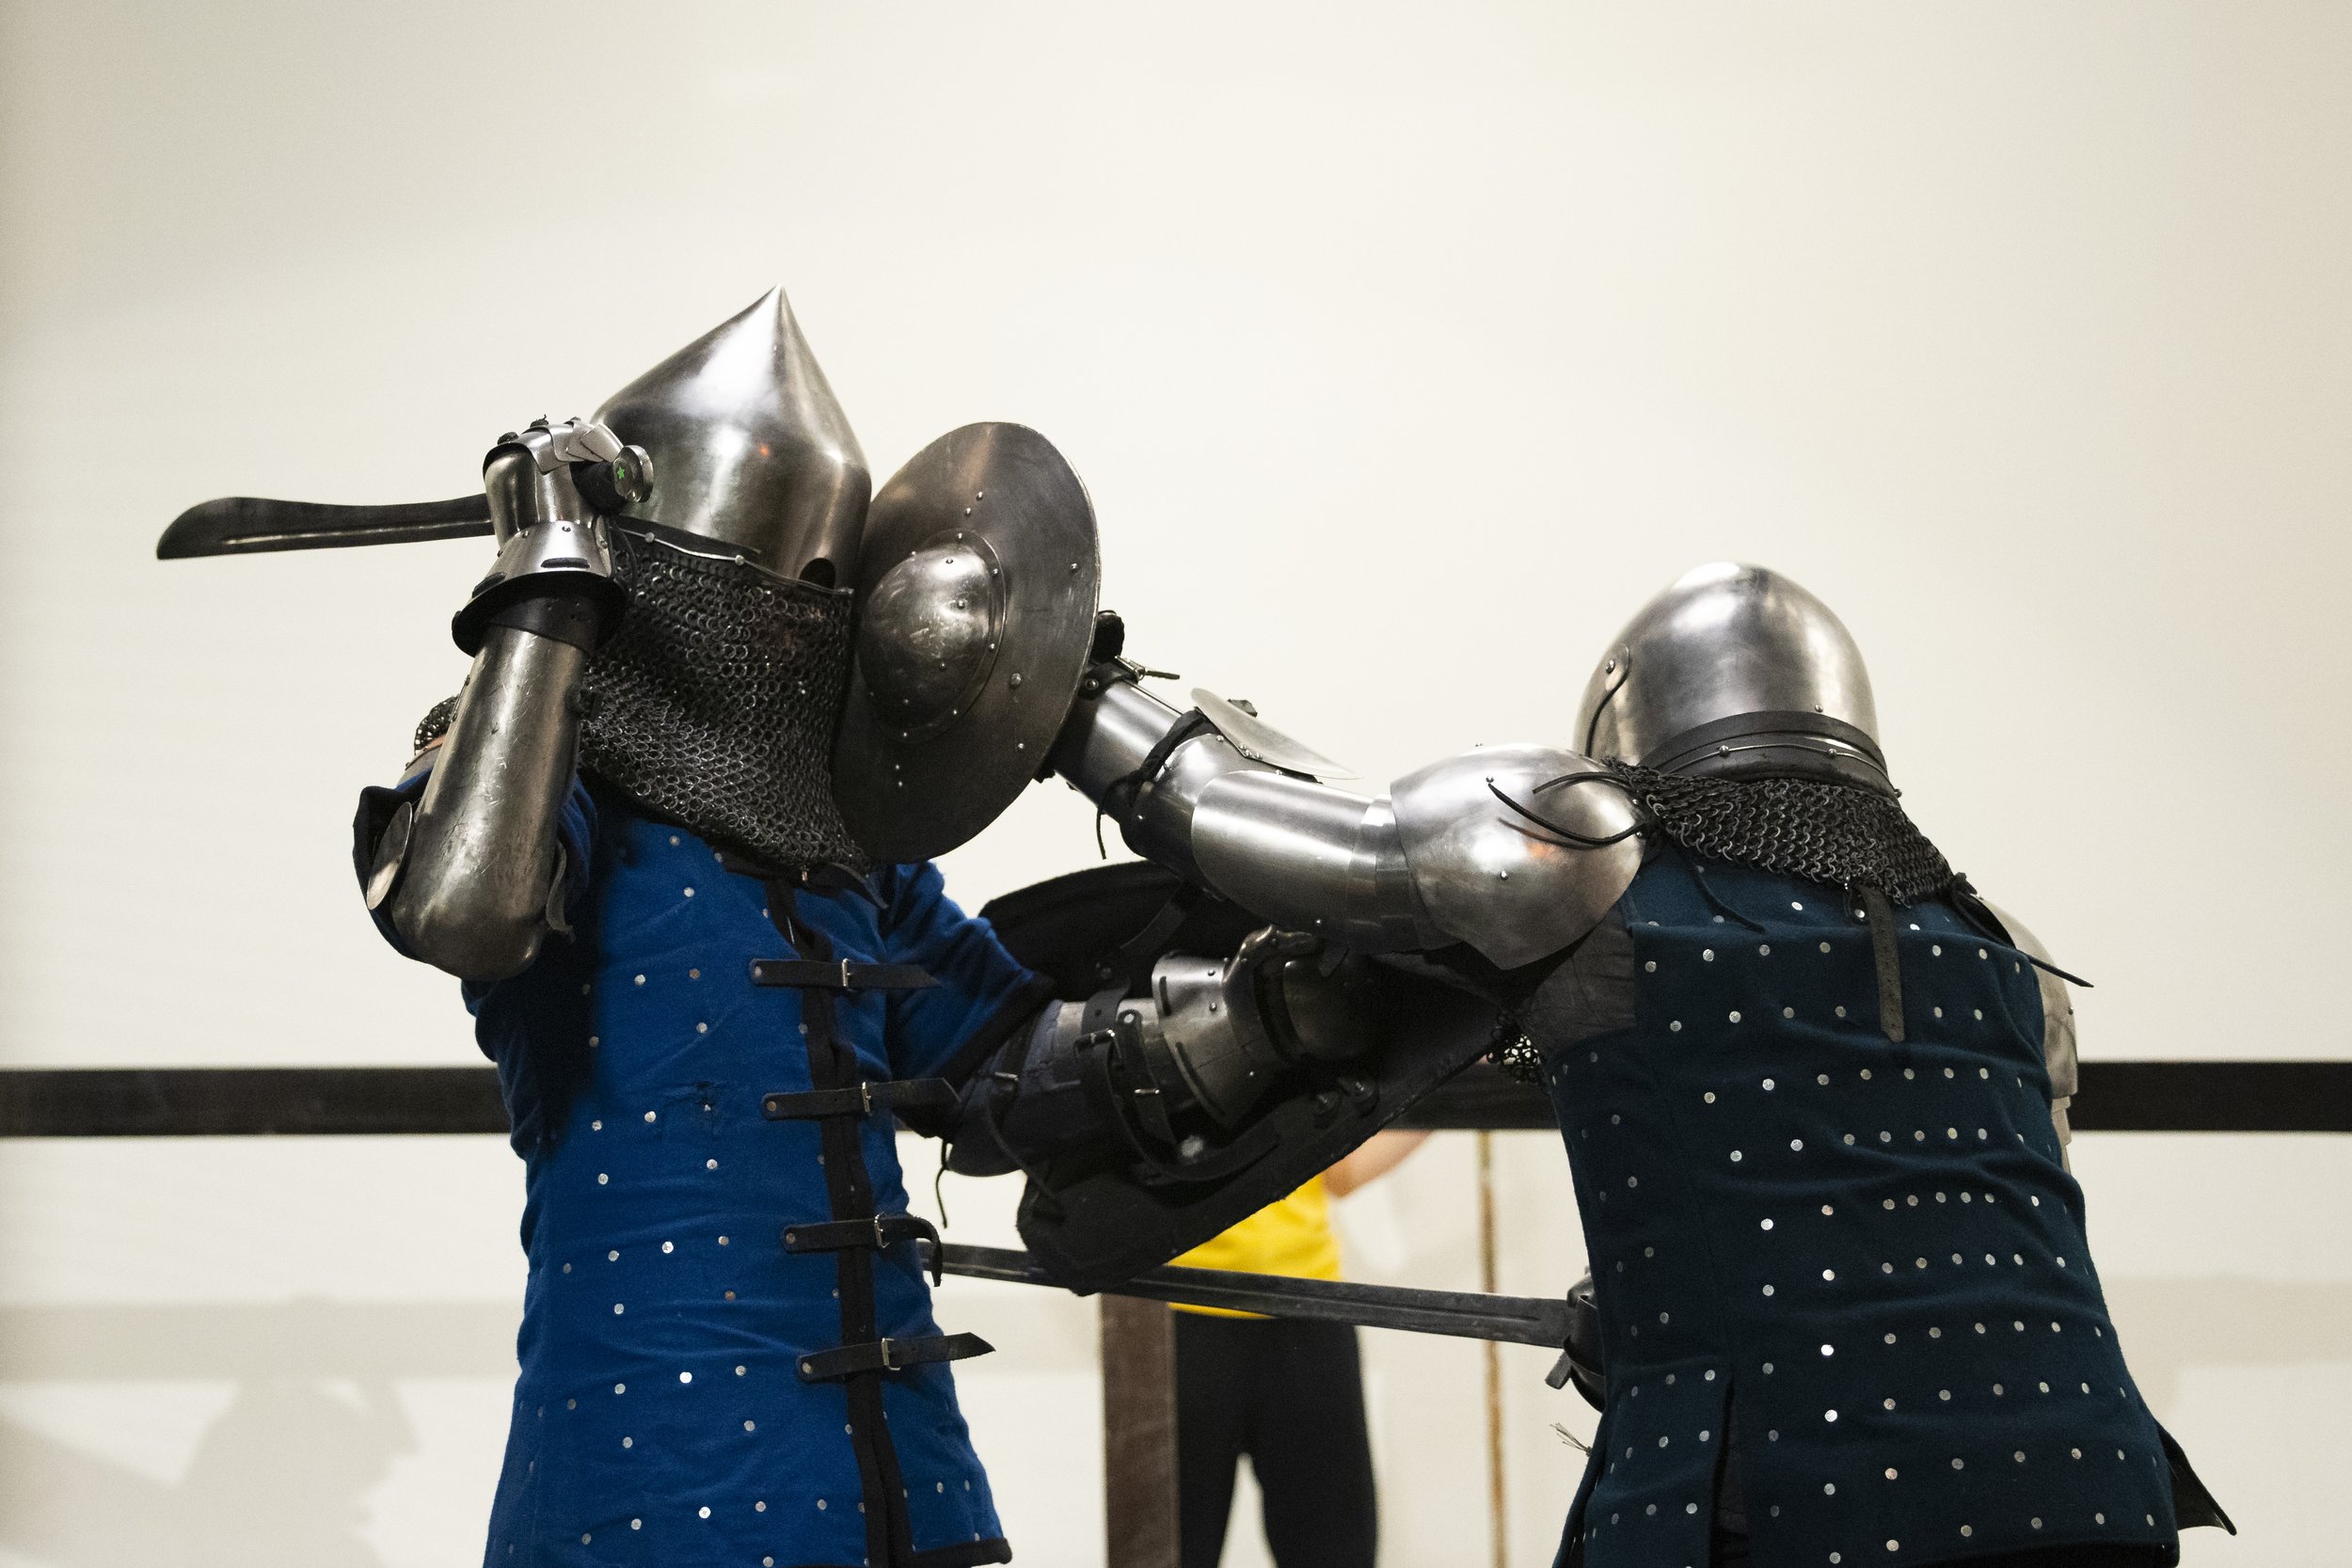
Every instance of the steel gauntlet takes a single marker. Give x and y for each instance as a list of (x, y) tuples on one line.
[(1168, 1081)]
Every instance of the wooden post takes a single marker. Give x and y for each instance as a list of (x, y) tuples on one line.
[(1139, 1517), (1497, 1513)]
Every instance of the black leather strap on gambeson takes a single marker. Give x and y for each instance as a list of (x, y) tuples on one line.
[(839, 975), (880, 1231), (858, 1100), (889, 1355), (849, 1194)]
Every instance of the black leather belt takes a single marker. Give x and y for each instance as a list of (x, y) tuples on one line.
[(859, 1100), (879, 1232), (838, 975), (889, 1355)]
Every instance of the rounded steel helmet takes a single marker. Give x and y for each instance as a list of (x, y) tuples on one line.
[(1734, 670)]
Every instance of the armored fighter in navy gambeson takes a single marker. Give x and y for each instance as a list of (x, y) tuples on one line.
[(1813, 1088)]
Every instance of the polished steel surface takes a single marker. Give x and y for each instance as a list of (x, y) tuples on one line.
[(544, 548), (928, 633), (1488, 876), (1213, 1029), (1724, 640), (1308, 857), (1260, 742), (474, 886), (750, 448), (1110, 733), (1112, 727), (527, 477), (976, 616), (391, 853)]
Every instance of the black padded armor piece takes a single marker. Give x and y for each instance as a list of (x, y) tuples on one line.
[(1842, 835), (714, 704)]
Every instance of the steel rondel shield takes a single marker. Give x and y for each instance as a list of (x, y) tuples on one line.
[(977, 591)]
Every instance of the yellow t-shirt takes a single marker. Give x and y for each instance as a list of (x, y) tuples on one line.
[(1292, 1236)]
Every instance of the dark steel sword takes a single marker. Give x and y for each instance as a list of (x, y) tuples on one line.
[(252, 525), (1465, 1314)]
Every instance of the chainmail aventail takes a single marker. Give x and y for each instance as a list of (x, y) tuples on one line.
[(1842, 835), (715, 703)]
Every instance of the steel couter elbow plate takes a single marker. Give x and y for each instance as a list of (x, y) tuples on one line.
[(977, 582)]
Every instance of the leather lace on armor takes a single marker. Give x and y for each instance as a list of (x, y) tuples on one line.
[(714, 704), (1842, 835)]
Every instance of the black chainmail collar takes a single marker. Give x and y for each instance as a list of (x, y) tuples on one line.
[(1842, 835), (714, 704)]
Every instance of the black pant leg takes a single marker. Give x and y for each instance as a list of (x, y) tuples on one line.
[(1215, 1372), (1311, 1452)]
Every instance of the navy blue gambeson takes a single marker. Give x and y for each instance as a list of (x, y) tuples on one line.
[(1859, 1264), (659, 1418)]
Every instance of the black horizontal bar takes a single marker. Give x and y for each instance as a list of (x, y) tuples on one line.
[(155, 1102), (2214, 1097), (239, 1102)]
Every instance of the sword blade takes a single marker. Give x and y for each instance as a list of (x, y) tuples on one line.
[(252, 525), (1463, 1314)]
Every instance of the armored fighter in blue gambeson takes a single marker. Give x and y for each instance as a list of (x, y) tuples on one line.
[(705, 1001), (675, 835)]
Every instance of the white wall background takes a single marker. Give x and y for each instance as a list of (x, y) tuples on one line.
[(1404, 350)]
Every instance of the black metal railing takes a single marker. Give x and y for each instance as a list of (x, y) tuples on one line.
[(180, 1102)]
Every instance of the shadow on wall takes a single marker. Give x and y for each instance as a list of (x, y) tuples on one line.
[(289, 1470), (284, 1473)]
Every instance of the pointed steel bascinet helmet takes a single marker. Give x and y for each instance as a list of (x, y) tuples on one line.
[(750, 448), (1734, 670)]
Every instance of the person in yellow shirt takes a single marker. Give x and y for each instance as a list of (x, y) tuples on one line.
[(1287, 1393)]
